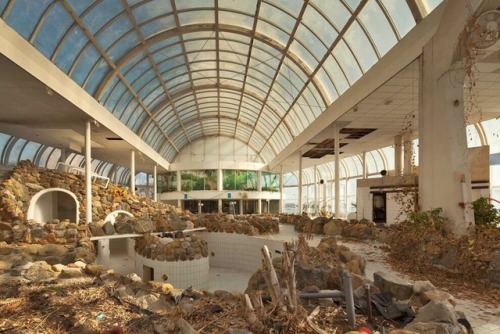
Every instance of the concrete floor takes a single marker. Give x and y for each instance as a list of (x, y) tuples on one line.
[(481, 316)]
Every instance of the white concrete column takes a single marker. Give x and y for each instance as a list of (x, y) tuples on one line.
[(103, 252), (241, 206), (325, 202), (155, 183), (300, 183), (259, 206), (220, 185), (444, 176), (337, 169), (132, 172), (219, 205), (408, 153), (316, 206), (88, 175), (281, 190), (398, 155), (259, 180), (179, 180)]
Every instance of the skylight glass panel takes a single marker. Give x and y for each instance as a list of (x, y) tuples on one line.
[(3, 4), (13, 158), (239, 48), (276, 16), (146, 89), (196, 17), (163, 44), (137, 120), (328, 86), (202, 55), (319, 25), (143, 80), (334, 71), (347, 62), (304, 55), (310, 42), (123, 46), (139, 68), (102, 14), (353, 4), (29, 151), (183, 4), (125, 116), (247, 6), (158, 25), (257, 77), (172, 67), (138, 58), (401, 15), (100, 70), (23, 16), (70, 48), (334, 10), (292, 6), (236, 19), (378, 27), (55, 25), (44, 157), (167, 53), (122, 104), (114, 31), (197, 45), (150, 9), (272, 32), (87, 60), (361, 47), (114, 97)]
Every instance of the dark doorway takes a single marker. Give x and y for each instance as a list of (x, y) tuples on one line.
[(379, 207)]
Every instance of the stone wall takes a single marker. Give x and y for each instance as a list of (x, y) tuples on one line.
[(183, 248)]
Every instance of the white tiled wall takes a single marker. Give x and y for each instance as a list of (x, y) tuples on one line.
[(238, 251), (181, 274)]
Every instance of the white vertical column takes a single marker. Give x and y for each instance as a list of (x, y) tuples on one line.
[(398, 155), (88, 174), (259, 206), (155, 183), (281, 190), (337, 169), (444, 174), (300, 182), (408, 153), (220, 187), (315, 189), (179, 187), (132, 172)]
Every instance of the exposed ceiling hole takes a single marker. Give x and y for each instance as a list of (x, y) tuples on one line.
[(356, 133)]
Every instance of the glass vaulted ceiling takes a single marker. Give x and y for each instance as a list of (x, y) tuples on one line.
[(176, 71)]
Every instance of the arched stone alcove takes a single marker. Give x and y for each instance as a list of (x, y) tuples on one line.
[(54, 203)]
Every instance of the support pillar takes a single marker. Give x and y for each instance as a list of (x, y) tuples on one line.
[(259, 206), (155, 183), (300, 183), (408, 153), (444, 176), (337, 169), (88, 175), (398, 155), (132, 172), (315, 189), (280, 210)]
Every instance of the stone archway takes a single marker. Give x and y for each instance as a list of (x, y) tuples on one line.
[(54, 203)]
